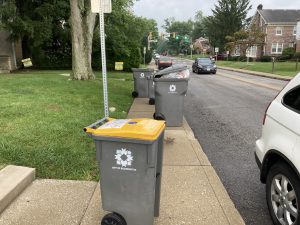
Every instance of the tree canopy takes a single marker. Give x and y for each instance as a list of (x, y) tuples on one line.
[(44, 30), (229, 16)]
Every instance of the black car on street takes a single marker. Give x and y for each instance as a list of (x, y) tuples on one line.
[(204, 65)]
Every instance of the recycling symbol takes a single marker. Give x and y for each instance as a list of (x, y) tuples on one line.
[(142, 75), (124, 157), (172, 88)]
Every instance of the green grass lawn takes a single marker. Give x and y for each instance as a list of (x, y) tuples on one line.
[(42, 115), (281, 68)]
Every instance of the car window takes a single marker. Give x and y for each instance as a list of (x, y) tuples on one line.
[(165, 59), (204, 61), (292, 99)]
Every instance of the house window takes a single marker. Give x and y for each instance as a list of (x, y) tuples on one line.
[(237, 50), (277, 48), (295, 30), (252, 51), (278, 30)]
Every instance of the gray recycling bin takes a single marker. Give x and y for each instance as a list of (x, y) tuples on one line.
[(171, 85), (141, 82), (130, 154)]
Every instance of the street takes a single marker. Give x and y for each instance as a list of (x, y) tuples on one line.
[(226, 117)]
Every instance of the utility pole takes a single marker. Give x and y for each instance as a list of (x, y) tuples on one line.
[(191, 46), (145, 55)]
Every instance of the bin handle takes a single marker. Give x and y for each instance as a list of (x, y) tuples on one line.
[(96, 124)]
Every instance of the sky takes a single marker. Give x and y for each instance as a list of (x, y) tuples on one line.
[(183, 10)]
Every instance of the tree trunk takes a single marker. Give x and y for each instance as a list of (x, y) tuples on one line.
[(82, 29)]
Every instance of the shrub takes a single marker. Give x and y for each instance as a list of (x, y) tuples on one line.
[(283, 57), (233, 58), (243, 58), (266, 58), (297, 55), (288, 53)]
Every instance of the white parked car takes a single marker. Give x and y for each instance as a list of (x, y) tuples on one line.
[(278, 155)]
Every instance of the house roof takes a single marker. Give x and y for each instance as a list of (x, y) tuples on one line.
[(280, 16)]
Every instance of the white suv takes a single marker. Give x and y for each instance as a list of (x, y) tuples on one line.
[(278, 155)]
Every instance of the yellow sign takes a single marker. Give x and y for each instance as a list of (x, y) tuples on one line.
[(27, 62), (119, 65)]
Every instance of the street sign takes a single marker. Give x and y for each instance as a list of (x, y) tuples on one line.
[(145, 50), (27, 62), (119, 66), (106, 6), (191, 46), (216, 50)]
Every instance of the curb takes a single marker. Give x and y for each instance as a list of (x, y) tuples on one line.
[(230, 211), (13, 180), (272, 76)]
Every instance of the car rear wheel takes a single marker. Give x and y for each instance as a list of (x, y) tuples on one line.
[(283, 195)]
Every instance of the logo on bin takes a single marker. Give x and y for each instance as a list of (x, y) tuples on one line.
[(172, 88), (124, 159), (142, 75)]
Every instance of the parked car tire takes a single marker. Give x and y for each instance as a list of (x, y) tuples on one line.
[(283, 194)]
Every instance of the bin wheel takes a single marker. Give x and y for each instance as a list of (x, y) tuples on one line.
[(135, 94), (113, 219), (158, 117), (151, 101)]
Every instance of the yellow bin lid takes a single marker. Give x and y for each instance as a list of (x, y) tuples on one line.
[(144, 129)]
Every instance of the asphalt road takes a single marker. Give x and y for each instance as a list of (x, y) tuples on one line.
[(226, 117)]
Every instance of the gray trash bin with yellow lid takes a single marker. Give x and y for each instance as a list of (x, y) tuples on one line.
[(171, 86), (130, 154)]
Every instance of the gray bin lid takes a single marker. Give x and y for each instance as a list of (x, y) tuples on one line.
[(162, 76), (172, 69), (142, 70)]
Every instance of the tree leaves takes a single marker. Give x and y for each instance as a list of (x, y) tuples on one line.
[(229, 16)]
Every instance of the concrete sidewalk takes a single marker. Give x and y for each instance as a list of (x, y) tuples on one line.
[(192, 193)]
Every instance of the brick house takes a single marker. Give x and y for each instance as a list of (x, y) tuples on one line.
[(280, 27), (298, 36), (10, 53)]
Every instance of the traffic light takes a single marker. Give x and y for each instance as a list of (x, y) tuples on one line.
[(174, 35), (177, 37)]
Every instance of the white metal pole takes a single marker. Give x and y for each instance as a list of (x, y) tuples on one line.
[(103, 57)]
